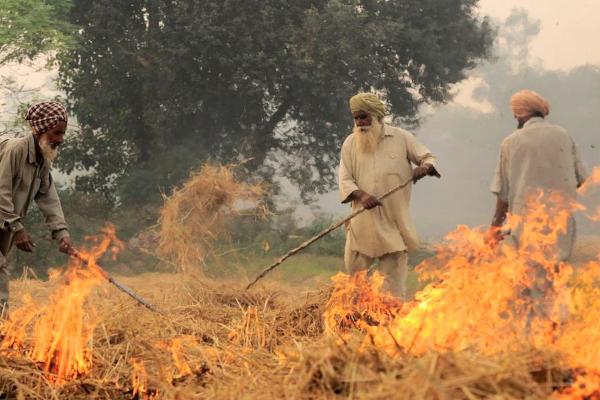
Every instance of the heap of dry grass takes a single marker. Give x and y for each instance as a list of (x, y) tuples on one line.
[(218, 341), (196, 215)]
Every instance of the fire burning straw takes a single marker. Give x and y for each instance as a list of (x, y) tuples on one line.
[(488, 299), (56, 335), (490, 322)]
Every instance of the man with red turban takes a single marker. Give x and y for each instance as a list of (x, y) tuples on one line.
[(24, 177)]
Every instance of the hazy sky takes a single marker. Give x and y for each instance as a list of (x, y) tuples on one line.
[(545, 45), (569, 29)]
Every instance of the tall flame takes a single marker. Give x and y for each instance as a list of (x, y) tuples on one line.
[(489, 299), (56, 334)]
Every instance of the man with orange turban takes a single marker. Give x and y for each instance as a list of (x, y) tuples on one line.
[(375, 158), (537, 156)]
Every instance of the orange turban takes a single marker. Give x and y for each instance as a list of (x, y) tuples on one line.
[(527, 102)]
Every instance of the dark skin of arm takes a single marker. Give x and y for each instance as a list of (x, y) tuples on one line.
[(494, 234), (24, 243)]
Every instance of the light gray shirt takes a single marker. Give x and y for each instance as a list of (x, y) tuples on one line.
[(539, 156)]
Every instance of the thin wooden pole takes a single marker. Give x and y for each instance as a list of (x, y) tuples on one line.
[(125, 289), (321, 234)]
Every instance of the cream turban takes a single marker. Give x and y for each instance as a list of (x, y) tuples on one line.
[(527, 102), (367, 102)]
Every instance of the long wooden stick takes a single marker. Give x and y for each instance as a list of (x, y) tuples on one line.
[(322, 234), (117, 284)]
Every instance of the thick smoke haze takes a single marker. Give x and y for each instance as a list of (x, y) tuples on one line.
[(466, 134), (545, 47)]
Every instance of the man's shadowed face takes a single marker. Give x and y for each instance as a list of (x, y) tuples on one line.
[(50, 140), (362, 120)]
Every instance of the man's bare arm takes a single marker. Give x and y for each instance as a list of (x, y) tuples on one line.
[(500, 214), (494, 235)]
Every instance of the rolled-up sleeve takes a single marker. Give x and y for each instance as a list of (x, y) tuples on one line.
[(419, 154), (49, 204), (499, 184), (347, 182)]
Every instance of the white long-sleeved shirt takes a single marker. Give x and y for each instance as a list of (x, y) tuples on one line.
[(539, 156), (388, 228)]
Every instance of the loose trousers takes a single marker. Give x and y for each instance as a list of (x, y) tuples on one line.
[(393, 266)]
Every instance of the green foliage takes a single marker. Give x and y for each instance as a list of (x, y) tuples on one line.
[(159, 86), (280, 233), (29, 28), (254, 243)]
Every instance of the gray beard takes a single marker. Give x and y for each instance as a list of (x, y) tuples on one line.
[(367, 138)]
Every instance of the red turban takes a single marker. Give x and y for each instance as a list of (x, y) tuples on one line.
[(44, 116)]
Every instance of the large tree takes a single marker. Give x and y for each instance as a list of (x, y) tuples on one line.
[(29, 28), (159, 86)]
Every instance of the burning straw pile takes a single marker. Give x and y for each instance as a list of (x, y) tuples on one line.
[(482, 327), (219, 343)]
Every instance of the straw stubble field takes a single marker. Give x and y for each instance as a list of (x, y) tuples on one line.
[(474, 329), (217, 341)]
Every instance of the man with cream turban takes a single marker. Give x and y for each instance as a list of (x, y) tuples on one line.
[(25, 177), (538, 155), (375, 158)]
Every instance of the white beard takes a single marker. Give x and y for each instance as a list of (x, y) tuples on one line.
[(368, 137), (48, 152)]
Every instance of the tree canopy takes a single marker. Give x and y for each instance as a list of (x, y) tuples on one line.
[(159, 86), (32, 27)]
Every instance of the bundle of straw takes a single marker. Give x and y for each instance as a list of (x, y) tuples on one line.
[(195, 216)]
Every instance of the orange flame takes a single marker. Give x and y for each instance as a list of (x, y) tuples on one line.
[(592, 181), (177, 346), (365, 307), (487, 299), (62, 329), (586, 386), (139, 381)]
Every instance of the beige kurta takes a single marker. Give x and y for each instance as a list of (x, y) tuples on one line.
[(538, 156), (389, 228), (22, 179)]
